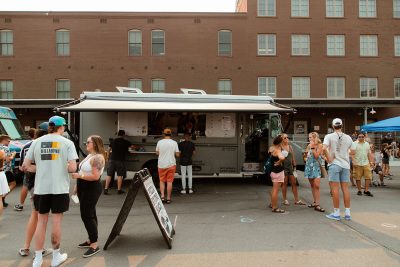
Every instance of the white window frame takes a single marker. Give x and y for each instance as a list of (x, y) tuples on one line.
[(336, 45), (368, 82), (333, 89), (135, 83), (6, 43), (368, 45), (266, 48), (155, 44), (300, 44), (334, 8), (62, 93), (63, 47), (367, 8), (397, 45), (396, 8), (135, 42), (225, 86), (156, 83), (301, 87), (396, 84), (222, 52), (266, 8), (300, 8), (267, 86), (6, 89)]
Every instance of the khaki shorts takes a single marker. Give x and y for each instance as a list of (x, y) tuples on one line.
[(360, 171)]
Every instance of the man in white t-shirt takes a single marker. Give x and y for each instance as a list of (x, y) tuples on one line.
[(167, 149), (55, 157), (338, 145)]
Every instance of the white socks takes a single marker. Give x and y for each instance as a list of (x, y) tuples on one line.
[(347, 211), (336, 212)]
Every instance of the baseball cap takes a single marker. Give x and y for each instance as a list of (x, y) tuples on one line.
[(337, 122), (167, 131), (44, 126), (57, 121)]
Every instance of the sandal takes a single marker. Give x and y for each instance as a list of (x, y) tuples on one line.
[(318, 208), (311, 205), (278, 210), (163, 200), (168, 201), (23, 252), (301, 203), (286, 203)]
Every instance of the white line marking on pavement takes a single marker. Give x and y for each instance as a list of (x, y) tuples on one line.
[(389, 225), (246, 219), (176, 219), (136, 260)]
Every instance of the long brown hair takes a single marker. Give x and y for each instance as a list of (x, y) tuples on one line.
[(98, 145)]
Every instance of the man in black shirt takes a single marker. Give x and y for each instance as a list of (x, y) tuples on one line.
[(187, 149), (119, 149)]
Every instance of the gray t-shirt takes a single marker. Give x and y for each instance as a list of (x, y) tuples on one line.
[(338, 145), (51, 153)]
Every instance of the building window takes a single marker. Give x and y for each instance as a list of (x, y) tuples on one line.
[(335, 45), (158, 86), (335, 87), (396, 8), (135, 43), (158, 43), (135, 83), (267, 86), (266, 44), (368, 87), (6, 43), (397, 87), (225, 87), (63, 89), (334, 9), (397, 45), (300, 8), (224, 43), (6, 89), (301, 87), (266, 8), (368, 45), (300, 45), (367, 8), (62, 42)]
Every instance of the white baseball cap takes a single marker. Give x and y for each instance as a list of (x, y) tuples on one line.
[(337, 122)]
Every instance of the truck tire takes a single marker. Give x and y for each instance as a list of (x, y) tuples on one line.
[(151, 165)]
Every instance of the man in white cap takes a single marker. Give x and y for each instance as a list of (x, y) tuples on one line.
[(338, 144)]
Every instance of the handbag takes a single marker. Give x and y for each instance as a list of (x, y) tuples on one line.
[(324, 173)]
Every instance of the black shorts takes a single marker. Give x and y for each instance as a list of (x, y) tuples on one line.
[(57, 203), (10, 177), (116, 166)]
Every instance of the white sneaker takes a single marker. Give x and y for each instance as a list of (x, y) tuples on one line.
[(37, 263), (57, 260), (190, 191), (183, 191)]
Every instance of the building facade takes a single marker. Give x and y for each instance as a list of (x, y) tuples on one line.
[(326, 58)]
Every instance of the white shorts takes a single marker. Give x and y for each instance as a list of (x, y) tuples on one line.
[(4, 189)]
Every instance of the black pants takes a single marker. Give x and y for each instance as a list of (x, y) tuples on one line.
[(88, 194)]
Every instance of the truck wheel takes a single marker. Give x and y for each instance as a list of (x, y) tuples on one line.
[(153, 169)]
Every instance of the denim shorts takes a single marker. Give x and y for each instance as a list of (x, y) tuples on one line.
[(338, 174)]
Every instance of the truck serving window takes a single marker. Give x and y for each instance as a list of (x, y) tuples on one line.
[(178, 122)]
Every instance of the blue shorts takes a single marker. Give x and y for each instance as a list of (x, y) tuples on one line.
[(338, 174)]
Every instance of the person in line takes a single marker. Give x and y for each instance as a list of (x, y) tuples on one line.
[(89, 190), (312, 169), (30, 182), (167, 149), (289, 165), (377, 168), (362, 160), (385, 159), (24, 191), (55, 157), (338, 145), (4, 189), (187, 150), (119, 150), (277, 172), (4, 146)]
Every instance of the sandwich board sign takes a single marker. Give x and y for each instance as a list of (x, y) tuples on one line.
[(143, 178)]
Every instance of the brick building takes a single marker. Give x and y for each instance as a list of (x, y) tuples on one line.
[(326, 58)]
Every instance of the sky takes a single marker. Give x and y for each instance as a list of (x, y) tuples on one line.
[(120, 5)]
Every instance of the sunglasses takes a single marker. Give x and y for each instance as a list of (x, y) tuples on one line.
[(361, 137)]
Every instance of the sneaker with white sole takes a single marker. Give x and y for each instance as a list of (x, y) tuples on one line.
[(332, 216), (347, 217), (37, 262), (59, 259), (183, 191), (18, 207), (190, 191), (90, 252)]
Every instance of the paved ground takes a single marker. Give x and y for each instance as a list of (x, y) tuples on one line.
[(227, 223)]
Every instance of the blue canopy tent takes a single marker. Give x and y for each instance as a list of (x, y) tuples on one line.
[(388, 125)]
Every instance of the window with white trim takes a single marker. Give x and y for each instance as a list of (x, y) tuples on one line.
[(135, 83), (335, 87), (368, 45), (368, 87), (224, 86), (63, 89), (397, 45), (396, 8), (158, 85), (267, 86), (266, 44), (300, 45), (224, 43), (62, 42), (266, 8), (367, 8), (157, 43), (6, 43), (300, 8), (335, 45), (396, 87), (334, 9), (6, 89), (301, 87), (135, 42)]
